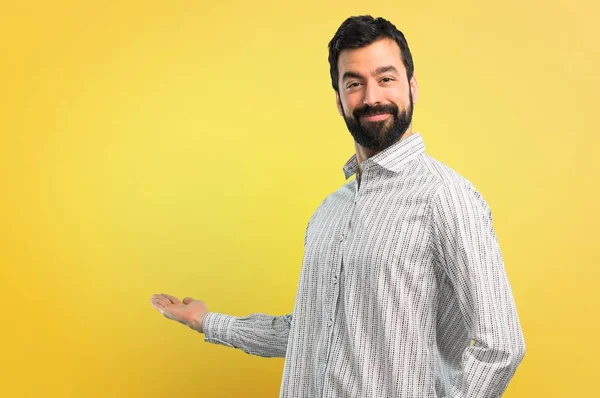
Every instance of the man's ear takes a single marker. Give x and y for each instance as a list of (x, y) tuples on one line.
[(414, 88), (339, 103)]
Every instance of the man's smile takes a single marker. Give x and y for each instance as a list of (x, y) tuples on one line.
[(377, 117)]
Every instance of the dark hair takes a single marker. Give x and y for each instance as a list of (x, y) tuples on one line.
[(360, 31)]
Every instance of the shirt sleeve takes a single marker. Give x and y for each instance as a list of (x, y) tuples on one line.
[(257, 334), (467, 249)]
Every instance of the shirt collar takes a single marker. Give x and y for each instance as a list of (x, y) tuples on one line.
[(393, 158)]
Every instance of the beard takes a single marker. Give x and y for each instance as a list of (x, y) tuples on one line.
[(381, 134)]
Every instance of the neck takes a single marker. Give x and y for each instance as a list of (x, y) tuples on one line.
[(363, 153)]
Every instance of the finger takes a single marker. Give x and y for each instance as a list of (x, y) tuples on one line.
[(159, 302), (159, 307), (157, 297), (173, 299), (187, 300), (164, 301)]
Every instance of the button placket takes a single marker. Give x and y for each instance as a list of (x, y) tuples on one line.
[(333, 294), (343, 238)]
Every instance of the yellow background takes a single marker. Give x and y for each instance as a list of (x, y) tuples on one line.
[(181, 148)]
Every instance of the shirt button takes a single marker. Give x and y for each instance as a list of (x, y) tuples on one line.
[(342, 237), (335, 279), (330, 322)]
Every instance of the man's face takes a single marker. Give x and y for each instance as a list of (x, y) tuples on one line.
[(375, 97)]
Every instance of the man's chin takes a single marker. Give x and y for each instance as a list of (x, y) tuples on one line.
[(377, 131)]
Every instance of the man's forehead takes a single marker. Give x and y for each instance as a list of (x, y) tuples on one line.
[(380, 53)]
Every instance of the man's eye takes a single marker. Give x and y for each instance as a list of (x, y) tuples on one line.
[(352, 85), (387, 79)]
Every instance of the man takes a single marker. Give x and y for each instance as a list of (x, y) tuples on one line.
[(403, 291)]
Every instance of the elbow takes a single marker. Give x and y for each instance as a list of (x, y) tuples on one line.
[(503, 352), (514, 351), (514, 345), (518, 350)]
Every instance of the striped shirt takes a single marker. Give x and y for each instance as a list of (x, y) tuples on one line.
[(402, 292)]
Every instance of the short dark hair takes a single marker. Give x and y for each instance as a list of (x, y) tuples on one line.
[(360, 31)]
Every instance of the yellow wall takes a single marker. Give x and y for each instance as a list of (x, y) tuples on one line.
[(181, 148)]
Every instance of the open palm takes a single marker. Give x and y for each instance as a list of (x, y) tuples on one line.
[(189, 312)]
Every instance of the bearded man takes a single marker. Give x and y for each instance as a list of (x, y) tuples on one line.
[(403, 290)]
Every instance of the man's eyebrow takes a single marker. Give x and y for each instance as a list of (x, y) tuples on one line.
[(383, 69), (378, 71), (351, 75)]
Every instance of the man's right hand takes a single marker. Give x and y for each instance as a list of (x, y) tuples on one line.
[(189, 312)]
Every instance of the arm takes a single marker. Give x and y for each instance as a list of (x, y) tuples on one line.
[(467, 249), (257, 334)]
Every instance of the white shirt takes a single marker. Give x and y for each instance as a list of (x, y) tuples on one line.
[(402, 292)]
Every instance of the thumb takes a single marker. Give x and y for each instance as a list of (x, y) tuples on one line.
[(187, 300)]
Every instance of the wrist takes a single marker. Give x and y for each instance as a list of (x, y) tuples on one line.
[(196, 322)]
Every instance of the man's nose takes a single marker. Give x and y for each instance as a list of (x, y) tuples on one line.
[(373, 94)]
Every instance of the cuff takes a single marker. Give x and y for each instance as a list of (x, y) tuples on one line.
[(217, 328)]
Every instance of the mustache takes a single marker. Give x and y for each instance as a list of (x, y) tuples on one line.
[(368, 110)]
